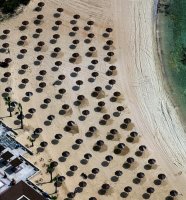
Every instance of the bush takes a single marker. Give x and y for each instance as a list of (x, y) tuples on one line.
[(10, 6)]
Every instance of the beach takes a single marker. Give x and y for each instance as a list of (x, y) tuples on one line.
[(139, 78)]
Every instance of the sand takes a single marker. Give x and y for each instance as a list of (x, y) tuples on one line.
[(139, 78)]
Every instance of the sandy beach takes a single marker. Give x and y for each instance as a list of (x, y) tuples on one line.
[(139, 78)]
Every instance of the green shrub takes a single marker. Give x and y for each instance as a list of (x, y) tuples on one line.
[(10, 6)]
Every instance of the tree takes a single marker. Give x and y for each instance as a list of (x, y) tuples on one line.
[(32, 140), (20, 108), (57, 183), (53, 197), (8, 102), (50, 170)]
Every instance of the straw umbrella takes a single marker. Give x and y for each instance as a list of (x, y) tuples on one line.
[(87, 156), (38, 131), (51, 117), (130, 160), (75, 55), (58, 23), (77, 70), (115, 96), (100, 106), (5, 45), (4, 64), (72, 60), (43, 144), (108, 45), (41, 44), (123, 126), (95, 75), (109, 158), (75, 28), (60, 10), (23, 51), (173, 193), (105, 186), (41, 4), (40, 17), (56, 36), (110, 54), (7, 74), (23, 37), (40, 57), (90, 37), (120, 109), (95, 170), (62, 91), (150, 190), (92, 198), (109, 42), (71, 195), (73, 21), (58, 63), (39, 30), (79, 83), (151, 161), (8, 89), (127, 120), (58, 136), (128, 189), (141, 148), (90, 23), (112, 82), (32, 110), (162, 176), (79, 100), (118, 173), (108, 31), (76, 16), (74, 44), (6, 31), (25, 23), (47, 101), (66, 154), (42, 85)]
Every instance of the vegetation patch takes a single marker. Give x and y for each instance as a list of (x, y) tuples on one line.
[(10, 6)]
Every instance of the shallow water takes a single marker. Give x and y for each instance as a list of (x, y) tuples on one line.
[(172, 26)]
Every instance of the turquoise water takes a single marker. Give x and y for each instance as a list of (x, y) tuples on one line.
[(172, 24)]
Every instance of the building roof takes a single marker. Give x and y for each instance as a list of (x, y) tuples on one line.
[(1, 148), (19, 191), (7, 155), (16, 162)]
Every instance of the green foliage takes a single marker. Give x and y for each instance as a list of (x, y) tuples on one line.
[(54, 197), (20, 107), (50, 169), (7, 100), (9, 6)]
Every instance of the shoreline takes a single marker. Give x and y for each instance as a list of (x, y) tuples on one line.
[(159, 61)]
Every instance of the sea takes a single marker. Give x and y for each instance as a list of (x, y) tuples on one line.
[(172, 34)]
